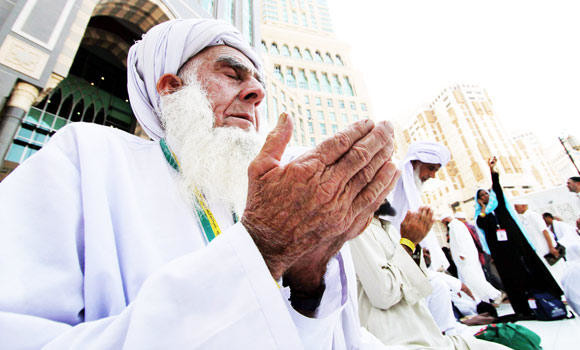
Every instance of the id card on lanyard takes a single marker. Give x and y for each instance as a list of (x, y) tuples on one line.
[(501, 233)]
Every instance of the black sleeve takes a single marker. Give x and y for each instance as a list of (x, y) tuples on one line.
[(496, 187)]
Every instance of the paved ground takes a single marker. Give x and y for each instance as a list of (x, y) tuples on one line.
[(556, 335)]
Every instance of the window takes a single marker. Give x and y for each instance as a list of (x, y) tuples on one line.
[(290, 78), (326, 83), (309, 114), (344, 117), (336, 84), (278, 73), (353, 106), (314, 83), (348, 87), (302, 81), (312, 142), (317, 57), (307, 55), (302, 125), (328, 59), (339, 60), (292, 104), (306, 99), (285, 51), (310, 128), (334, 129), (264, 47), (323, 129), (274, 49), (317, 101), (320, 116), (304, 21), (283, 96), (341, 104), (332, 116), (294, 17), (329, 102), (355, 117), (296, 53), (363, 107)]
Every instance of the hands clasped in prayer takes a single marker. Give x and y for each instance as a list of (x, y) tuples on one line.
[(300, 214)]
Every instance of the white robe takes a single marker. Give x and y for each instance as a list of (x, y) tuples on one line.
[(392, 291), (99, 250), (534, 225), (466, 259)]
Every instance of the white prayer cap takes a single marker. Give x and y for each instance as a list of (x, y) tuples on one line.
[(460, 215), (164, 49), (428, 152)]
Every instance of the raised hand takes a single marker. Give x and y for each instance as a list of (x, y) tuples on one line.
[(415, 226), (492, 161), (328, 192)]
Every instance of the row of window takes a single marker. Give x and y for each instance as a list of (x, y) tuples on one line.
[(334, 84), (304, 54)]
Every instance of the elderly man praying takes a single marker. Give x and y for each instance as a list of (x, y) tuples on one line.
[(200, 238)]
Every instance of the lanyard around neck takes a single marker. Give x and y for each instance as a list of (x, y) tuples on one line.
[(208, 222)]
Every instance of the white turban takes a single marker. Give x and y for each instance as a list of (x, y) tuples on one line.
[(407, 197), (164, 49), (460, 215)]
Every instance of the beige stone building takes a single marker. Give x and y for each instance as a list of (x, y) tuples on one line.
[(309, 73), (462, 117)]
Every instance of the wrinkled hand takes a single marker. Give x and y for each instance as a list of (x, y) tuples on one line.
[(415, 226), (466, 290), (323, 197)]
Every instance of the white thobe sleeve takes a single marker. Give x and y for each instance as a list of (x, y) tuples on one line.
[(219, 297), (387, 273)]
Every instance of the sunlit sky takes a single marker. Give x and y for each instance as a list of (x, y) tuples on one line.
[(526, 54)]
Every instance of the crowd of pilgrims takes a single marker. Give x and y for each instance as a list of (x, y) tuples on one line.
[(507, 254)]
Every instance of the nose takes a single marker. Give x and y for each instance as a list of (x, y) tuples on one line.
[(253, 92)]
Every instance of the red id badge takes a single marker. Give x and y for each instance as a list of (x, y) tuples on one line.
[(501, 235)]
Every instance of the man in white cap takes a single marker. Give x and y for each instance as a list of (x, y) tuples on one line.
[(394, 282), (466, 259), (421, 163), (541, 236), (110, 241)]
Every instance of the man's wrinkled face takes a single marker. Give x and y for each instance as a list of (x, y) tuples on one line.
[(573, 186), (521, 208), (427, 170), (233, 86)]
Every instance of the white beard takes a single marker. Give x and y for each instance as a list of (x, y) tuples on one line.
[(212, 160), (417, 179)]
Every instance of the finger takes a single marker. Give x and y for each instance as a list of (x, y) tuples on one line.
[(271, 153), (364, 150), (376, 190), (365, 175), (332, 149)]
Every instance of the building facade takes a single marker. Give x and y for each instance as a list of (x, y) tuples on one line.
[(309, 73), (65, 60), (463, 119)]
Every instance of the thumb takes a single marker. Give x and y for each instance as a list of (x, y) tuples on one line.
[(271, 153)]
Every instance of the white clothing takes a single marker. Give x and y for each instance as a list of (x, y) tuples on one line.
[(439, 302), (439, 261), (392, 291), (99, 250), (565, 233), (571, 285), (406, 196), (466, 258), (164, 49), (534, 225)]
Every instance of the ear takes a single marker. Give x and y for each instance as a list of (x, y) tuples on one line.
[(168, 84)]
